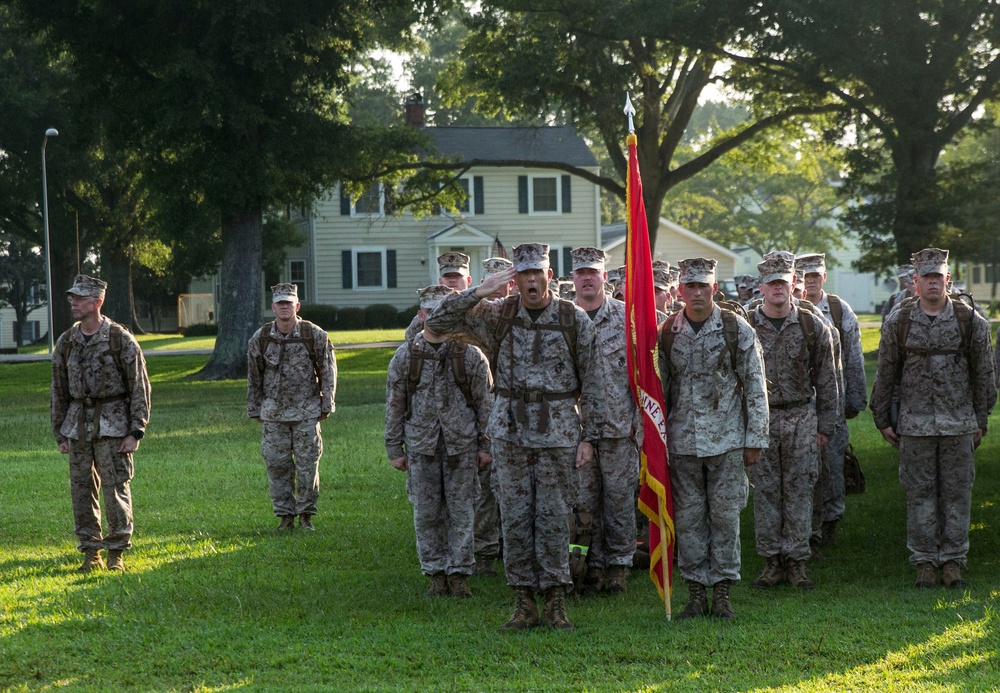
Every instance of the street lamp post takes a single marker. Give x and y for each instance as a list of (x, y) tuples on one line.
[(51, 132)]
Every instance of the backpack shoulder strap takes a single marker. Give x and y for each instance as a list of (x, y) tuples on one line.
[(456, 355), (666, 341), (265, 336), (963, 314), (115, 345), (507, 313), (413, 376), (567, 320), (836, 310)]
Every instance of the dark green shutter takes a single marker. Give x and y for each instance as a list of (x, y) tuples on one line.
[(522, 194), (477, 188), (567, 263), (390, 269), (347, 269), (567, 202), (554, 262), (345, 203)]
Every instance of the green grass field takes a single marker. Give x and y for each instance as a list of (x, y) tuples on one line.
[(214, 600)]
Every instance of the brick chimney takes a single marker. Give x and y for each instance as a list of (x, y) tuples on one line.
[(413, 110)]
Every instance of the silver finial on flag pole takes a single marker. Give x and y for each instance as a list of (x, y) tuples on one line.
[(630, 112)]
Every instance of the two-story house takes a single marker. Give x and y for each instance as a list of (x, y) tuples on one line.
[(357, 254)]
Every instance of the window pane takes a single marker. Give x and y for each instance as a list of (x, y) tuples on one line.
[(297, 270), (543, 194), (463, 183), (369, 202), (370, 269)]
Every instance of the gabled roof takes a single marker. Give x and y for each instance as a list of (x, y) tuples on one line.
[(613, 235), (561, 144)]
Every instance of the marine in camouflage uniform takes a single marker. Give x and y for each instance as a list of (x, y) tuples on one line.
[(453, 272), (100, 408), (607, 487), (803, 409), (544, 420), (945, 392), (717, 423), (906, 290), (854, 390), (290, 395), (437, 436)]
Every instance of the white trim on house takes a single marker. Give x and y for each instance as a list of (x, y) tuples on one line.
[(531, 195), (370, 215), (354, 267), (470, 200)]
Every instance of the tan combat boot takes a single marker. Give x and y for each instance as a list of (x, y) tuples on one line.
[(287, 523), (458, 586), (115, 560), (720, 600), (697, 601), (91, 561), (305, 522), (797, 574), (438, 586), (772, 574), (525, 610), (925, 576), (618, 579), (554, 609), (951, 575)]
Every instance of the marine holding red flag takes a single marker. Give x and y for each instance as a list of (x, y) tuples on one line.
[(640, 323)]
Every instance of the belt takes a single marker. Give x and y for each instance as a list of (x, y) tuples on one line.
[(789, 405), (536, 397), (96, 403)]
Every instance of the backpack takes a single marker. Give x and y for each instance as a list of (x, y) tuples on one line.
[(836, 314), (456, 360), (566, 325), (306, 337), (963, 314), (114, 346)]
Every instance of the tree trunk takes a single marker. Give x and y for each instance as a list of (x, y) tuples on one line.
[(63, 275), (239, 304), (119, 303), (918, 213)]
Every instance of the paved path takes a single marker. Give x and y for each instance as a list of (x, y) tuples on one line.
[(29, 358)]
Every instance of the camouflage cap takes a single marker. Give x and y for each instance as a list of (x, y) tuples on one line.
[(284, 292), (905, 271), (697, 270), (930, 261), (88, 287), (554, 287), (674, 275), (567, 290), (496, 265), (453, 263), (614, 275), (531, 256), (745, 281), (431, 296), (777, 264), (811, 262), (587, 257), (661, 274), (800, 278)]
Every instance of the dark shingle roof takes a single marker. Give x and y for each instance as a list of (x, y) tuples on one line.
[(561, 144)]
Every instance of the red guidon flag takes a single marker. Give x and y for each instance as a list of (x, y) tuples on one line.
[(655, 500)]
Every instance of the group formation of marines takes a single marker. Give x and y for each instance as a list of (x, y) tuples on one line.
[(509, 409)]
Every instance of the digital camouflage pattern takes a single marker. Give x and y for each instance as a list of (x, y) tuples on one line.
[(709, 493), (281, 383), (291, 451), (607, 491), (94, 409), (440, 440), (438, 405), (487, 523), (707, 419)]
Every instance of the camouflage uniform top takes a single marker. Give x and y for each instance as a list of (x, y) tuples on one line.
[(532, 365), (437, 406), (796, 373), (852, 358), (708, 417), (838, 364), (416, 326), (621, 416), (281, 383), (90, 371), (940, 394)]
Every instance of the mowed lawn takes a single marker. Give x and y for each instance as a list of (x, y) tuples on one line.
[(214, 599)]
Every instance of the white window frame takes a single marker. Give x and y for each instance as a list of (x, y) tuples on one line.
[(531, 195), (303, 289), (381, 205), (471, 201), (354, 267)]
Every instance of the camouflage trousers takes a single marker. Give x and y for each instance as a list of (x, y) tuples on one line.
[(94, 466), (783, 483), (937, 473), (536, 488), (607, 492), (708, 493), (487, 531), (834, 451), (443, 489), (292, 449)]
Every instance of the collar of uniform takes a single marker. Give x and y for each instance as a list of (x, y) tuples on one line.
[(103, 332), (277, 334), (712, 323), (947, 312)]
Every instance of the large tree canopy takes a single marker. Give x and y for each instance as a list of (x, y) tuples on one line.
[(235, 103), (913, 75)]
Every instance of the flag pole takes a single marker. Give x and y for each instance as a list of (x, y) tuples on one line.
[(665, 568)]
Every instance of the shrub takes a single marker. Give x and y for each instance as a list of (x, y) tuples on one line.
[(323, 315), (351, 319), (406, 316), (201, 329), (380, 316)]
